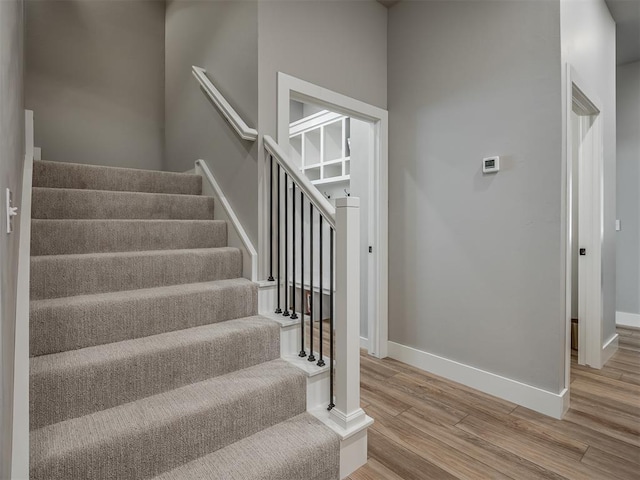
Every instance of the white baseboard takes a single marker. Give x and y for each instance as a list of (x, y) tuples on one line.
[(236, 235), (625, 319), (364, 343), (609, 348), (20, 438), (548, 403)]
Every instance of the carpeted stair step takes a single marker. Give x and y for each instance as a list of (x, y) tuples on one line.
[(59, 237), (298, 448), (147, 437), (109, 375), (70, 323), (59, 203), (94, 177), (54, 276)]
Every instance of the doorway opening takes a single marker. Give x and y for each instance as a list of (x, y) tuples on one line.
[(584, 175), (340, 144)]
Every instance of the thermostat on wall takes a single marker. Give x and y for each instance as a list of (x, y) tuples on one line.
[(490, 164)]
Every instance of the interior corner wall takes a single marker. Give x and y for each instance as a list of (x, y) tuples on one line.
[(221, 37), (11, 164), (475, 259), (628, 188), (95, 80), (588, 36)]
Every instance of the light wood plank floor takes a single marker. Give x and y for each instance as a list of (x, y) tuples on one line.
[(427, 427)]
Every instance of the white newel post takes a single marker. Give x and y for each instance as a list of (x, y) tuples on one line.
[(347, 412)]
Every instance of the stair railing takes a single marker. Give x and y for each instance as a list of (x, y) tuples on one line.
[(242, 129), (286, 183)]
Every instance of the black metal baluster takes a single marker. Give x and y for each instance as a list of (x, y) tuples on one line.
[(270, 218), (321, 359), (302, 353), (331, 352), (286, 245), (312, 357), (278, 309), (294, 315)]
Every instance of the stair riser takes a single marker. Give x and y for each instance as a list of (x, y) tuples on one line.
[(56, 203), (93, 177), (148, 368), (64, 326), (163, 445), (63, 276), (299, 448), (60, 237)]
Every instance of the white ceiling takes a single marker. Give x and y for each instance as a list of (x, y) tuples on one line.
[(626, 14)]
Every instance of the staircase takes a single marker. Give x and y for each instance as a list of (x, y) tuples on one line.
[(148, 358)]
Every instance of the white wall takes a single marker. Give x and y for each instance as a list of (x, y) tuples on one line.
[(628, 194), (222, 37), (588, 44), (95, 80), (475, 260), (12, 155)]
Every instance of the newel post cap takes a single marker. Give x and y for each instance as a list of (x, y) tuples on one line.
[(348, 202)]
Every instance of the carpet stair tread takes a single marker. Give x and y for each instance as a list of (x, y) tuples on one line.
[(55, 276), (298, 448), (108, 375), (96, 177), (144, 438), (70, 323)]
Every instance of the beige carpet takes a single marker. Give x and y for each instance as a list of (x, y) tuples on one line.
[(148, 358)]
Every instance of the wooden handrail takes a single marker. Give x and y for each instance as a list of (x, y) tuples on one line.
[(311, 192), (242, 129)]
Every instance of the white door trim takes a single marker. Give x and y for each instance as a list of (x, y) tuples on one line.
[(293, 88), (587, 105)]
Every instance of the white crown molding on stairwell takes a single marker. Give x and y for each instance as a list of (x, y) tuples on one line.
[(20, 436), (543, 401), (236, 235), (625, 319), (292, 88), (242, 129), (313, 194)]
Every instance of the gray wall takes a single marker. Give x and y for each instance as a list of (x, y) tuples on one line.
[(589, 45), (628, 195), (95, 80), (475, 260), (221, 37), (341, 46), (12, 155)]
